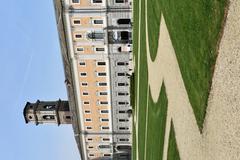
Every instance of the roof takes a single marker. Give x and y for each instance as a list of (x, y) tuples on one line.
[(59, 10)]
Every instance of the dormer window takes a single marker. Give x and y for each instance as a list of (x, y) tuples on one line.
[(49, 106)]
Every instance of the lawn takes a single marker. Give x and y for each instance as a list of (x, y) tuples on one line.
[(195, 29)]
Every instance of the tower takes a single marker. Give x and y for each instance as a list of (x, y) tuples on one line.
[(55, 112)]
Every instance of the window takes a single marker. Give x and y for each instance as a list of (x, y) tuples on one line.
[(102, 84), (91, 155), (101, 74), (123, 128), (104, 119), (123, 103), (104, 111), (100, 49), (86, 102), (84, 84), (78, 36), (104, 128), (83, 74), (123, 139), (77, 21), (122, 93), (90, 139), (123, 120), (98, 21), (121, 111), (104, 146), (87, 111), (88, 120), (97, 1), (75, 1), (124, 21), (106, 139), (90, 147), (103, 93), (107, 155), (82, 63), (68, 117), (48, 117), (49, 106), (80, 49), (121, 74), (122, 84), (122, 63), (85, 93), (103, 102), (101, 63), (88, 127), (119, 1)]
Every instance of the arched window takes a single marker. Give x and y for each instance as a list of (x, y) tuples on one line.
[(48, 117)]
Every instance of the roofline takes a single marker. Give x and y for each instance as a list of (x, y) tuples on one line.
[(25, 112)]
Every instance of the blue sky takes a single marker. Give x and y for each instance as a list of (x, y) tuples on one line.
[(31, 68)]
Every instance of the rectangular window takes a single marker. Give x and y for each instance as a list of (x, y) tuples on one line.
[(104, 119), (90, 147), (119, 1), (121, 111), (101, 74), (83, 74), (101, 63), (104, 111), (122, 93), (122, 63), (88, 120), (123, 128), (89, 139), (86, 102), (82, 63), (103, 102), (78, 36), (105, 139), (87, 111), (77, 21), (91, 155), (122, 84), (104, 127), (85, 93), (80, 49), (88, 127), (102, 84), (97, 1), (123, 139), (84, 84), (107, 155), (123, 103), (123, 120), (98, 21), (121, 74), (103, 93), (75, 1), (100, 49)]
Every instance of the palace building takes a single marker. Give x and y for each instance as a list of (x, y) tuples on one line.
[(96, 46)]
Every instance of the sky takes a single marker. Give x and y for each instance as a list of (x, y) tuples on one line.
[(31, 68)]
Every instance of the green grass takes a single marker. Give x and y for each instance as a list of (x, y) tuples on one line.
[(157, 115), (194, 28), (173, 153)]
